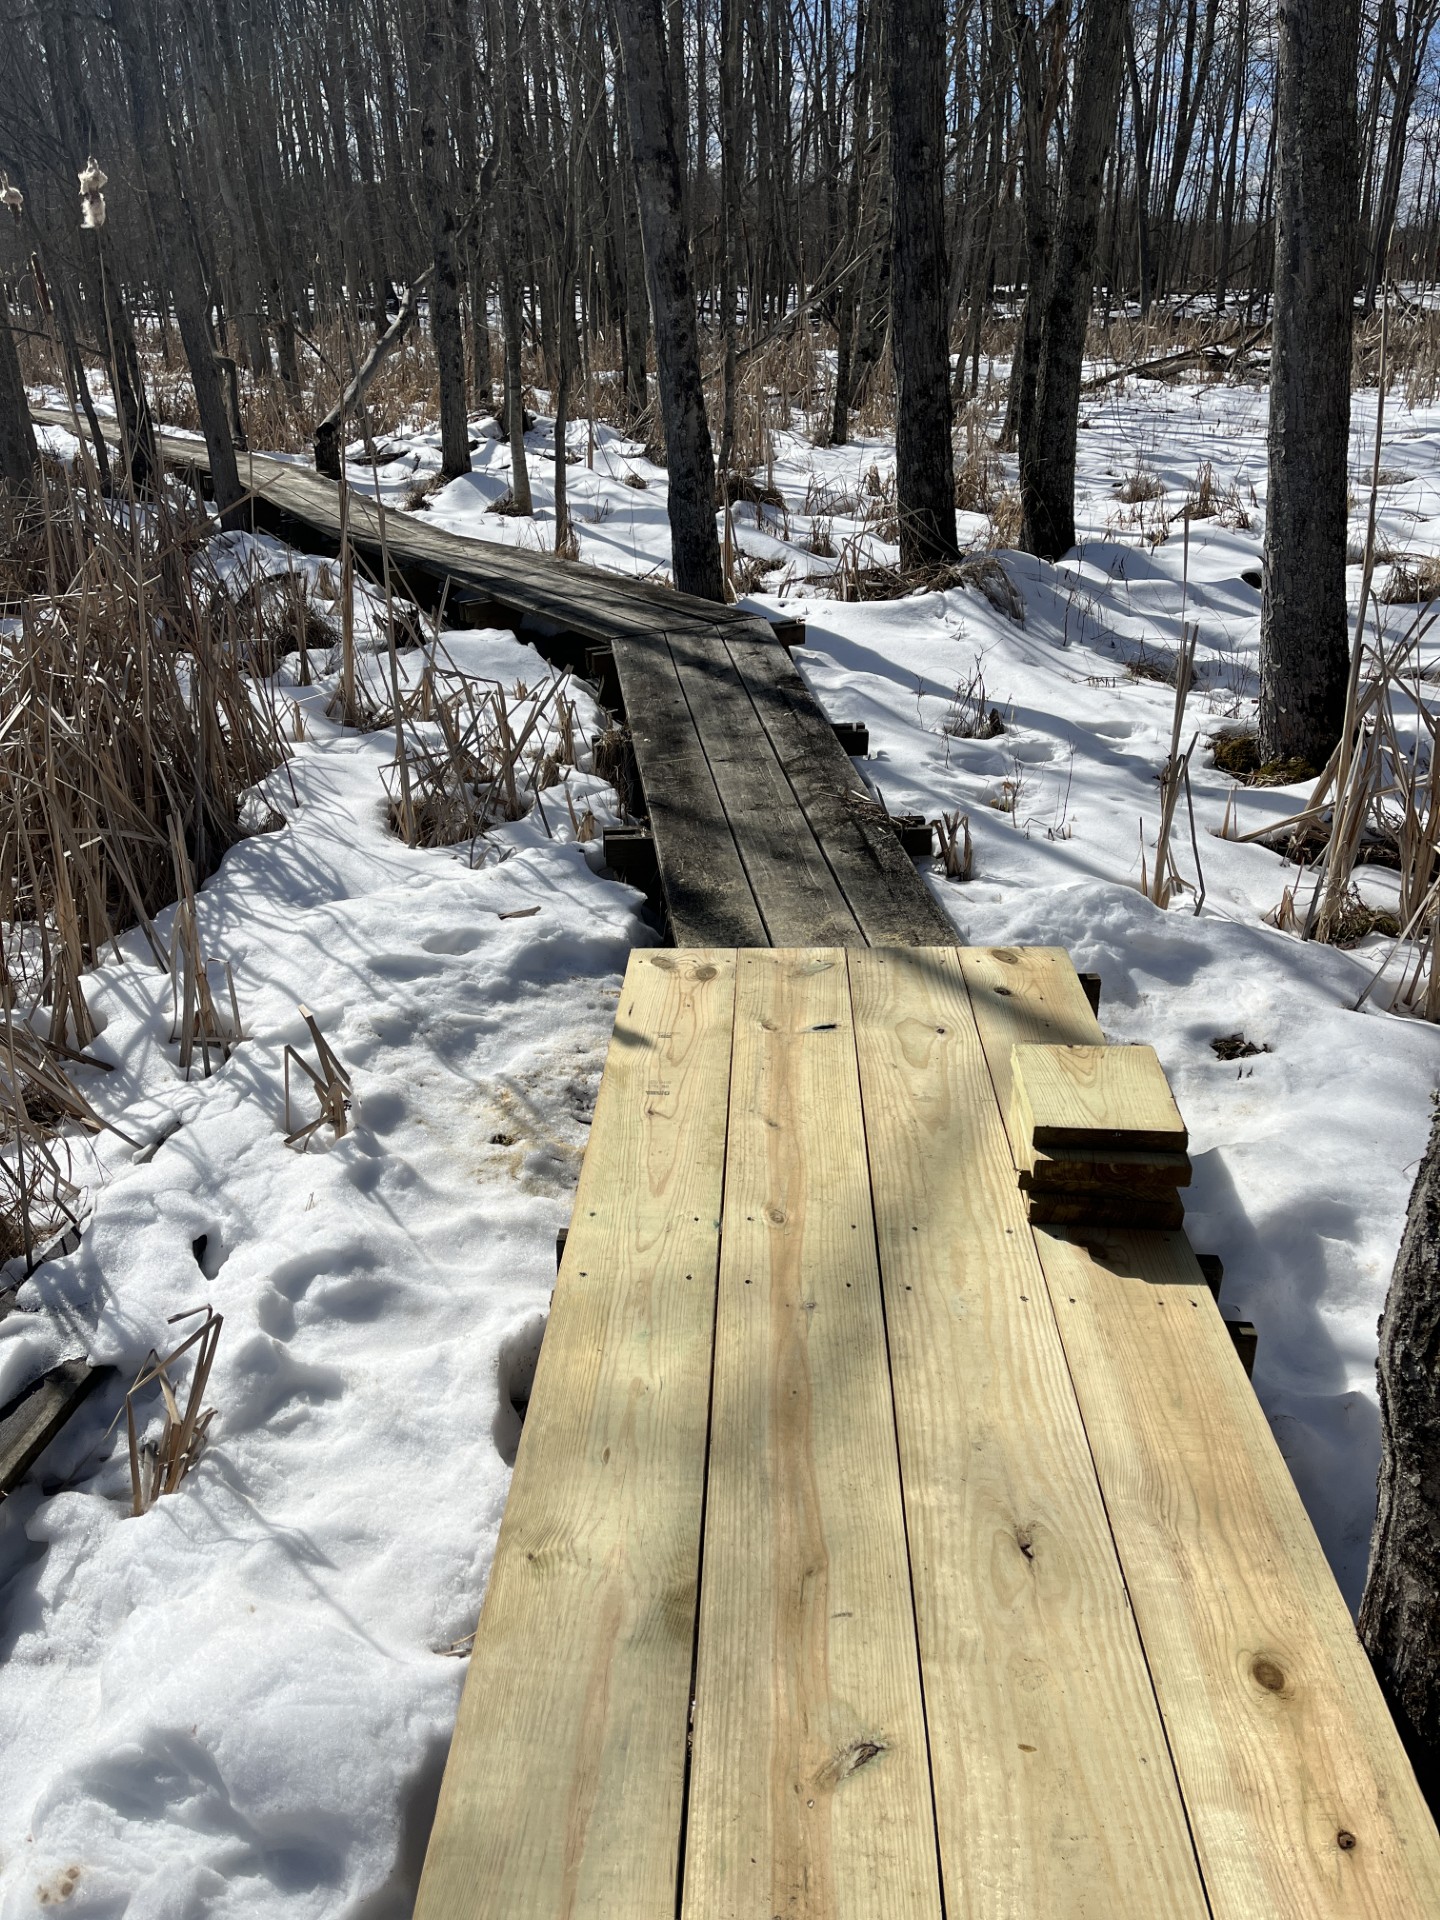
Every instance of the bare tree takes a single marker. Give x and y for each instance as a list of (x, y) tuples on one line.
[(1400, 1611), (1047, 452), (1304, 642), (179, 245), (443, 24), (659, 188), (18, 454), (924, 457)]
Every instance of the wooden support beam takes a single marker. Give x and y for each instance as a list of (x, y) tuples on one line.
[(34, 1417), (854, 737)]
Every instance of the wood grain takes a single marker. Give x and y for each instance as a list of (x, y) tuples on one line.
[(877, 877), (708, 895), (1094, 1096), (1300, 1798), (562, 1796), (1054, 1791), (798, 897), (810, 1792)]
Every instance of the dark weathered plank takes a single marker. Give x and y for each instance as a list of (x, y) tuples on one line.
[(38, 1414), (878, 879), (539, 586), (707, 891), (797, 894)]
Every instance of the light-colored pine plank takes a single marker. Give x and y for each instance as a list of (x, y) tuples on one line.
[(1300, 1798), (1055, 1794), (810, 1792), (562, 1796), (1094, 1096)]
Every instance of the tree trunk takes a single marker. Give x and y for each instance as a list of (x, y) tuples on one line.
[(19, 455), (924, 456), (437, 63), (694, 545), (180, 252), (1400, 1613), (1304, 641), (1047, 454)]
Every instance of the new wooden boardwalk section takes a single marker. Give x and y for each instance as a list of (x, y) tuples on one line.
[(763, 831), (871, 1552)]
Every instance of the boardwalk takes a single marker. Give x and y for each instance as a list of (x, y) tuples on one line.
[(872, 1552), (763, 832)]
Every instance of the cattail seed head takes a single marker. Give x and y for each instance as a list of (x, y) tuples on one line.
[(92, 196)]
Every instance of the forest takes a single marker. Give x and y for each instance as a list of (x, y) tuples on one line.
[(497, 496)]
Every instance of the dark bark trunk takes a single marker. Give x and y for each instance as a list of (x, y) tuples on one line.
[(1304, 640), (695, 547), (61, 44), (1400, 1613), (19, 455), (437, 62), (1047, 457), (179, 251), (924, 456), (1039, 233)]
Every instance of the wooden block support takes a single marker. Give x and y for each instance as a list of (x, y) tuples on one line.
[(630, 855), (790, 633), (854, 737), (600, 667), (1091, 983), (1246, 1340), (1212, 1267), (918, 840), (473, 607)]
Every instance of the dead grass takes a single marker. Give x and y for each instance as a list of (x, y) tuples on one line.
[(1238, 754), (1412, 583)]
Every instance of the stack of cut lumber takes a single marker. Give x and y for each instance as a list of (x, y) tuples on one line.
[(1099, 1140)]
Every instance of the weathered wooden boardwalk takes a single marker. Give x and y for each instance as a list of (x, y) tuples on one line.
[(763, 833), (874, 1552)]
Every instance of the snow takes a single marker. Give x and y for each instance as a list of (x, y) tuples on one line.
[(240, 1703)]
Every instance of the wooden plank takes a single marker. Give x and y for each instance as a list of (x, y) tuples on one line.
[(1302, 1801), (1054, 1791), (1095, 1096), (888, 898), (574, 595), (1106, 1208), (708, 896), (36, 1416), (799, 900), (1300, 1798), (1083, 1169), (809, 1796), (563, 1792)]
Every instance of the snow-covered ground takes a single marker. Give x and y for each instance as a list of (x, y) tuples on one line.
[(239, 1704)]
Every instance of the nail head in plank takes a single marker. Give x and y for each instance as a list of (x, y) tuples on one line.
[(810, 1793), (1053, 1787), (563, 1790)]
